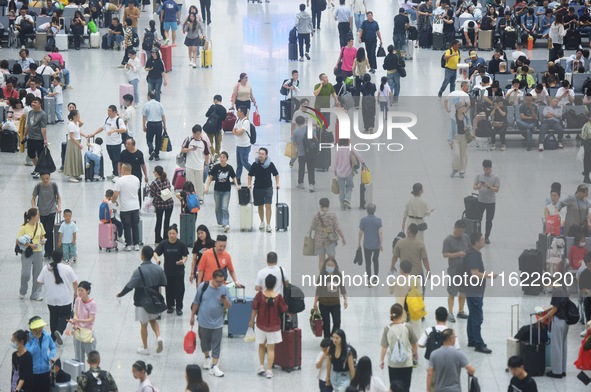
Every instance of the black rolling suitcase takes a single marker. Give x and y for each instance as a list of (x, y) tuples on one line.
[(8, 141), (472, 207), (324, 155), (530, 262), (510, 39), (285, 110), (89, 171), (534, 354), (472, 225), (281, 215), (293, 52), (425, 38), (438, 41)]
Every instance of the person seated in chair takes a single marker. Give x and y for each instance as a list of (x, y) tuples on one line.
[(573, 62), (551, 120), (585, 22), (526, 79), (527, 118), (25, 25), (565, 94)]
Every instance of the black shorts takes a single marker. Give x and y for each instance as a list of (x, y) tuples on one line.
[(34, 148), (262, 196)]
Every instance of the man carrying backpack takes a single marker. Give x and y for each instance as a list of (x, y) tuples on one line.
[(449, 62), (95, 379), (431, 339), (213, 126)]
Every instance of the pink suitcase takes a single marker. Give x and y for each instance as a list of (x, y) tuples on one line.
[(107, 236), (143, 58), (179, 179), (125, 89)]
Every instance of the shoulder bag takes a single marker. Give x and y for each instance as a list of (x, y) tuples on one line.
[(309, 245), (338, 69), (225, 269), (82, 334), (153, 302), (293, 296), (181, 158), (165, 194), (29, 251), (332, 235), (354, 161)]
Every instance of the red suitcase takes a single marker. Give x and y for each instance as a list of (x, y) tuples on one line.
[(288, 353), (123, 90), (229, 122), (166, 52), (143, 59), (179, 179), (107, 236)]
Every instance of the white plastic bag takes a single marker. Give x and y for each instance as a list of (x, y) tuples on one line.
[(249, 337), (148, 205), (581, 154)]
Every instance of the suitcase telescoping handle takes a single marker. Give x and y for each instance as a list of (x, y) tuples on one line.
[(516, 306), (531, 329), (239, 299), (58, 217)]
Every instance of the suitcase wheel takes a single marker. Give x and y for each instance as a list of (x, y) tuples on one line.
[(230, 335)]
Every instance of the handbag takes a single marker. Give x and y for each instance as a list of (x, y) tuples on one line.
[(201, 41), (153, 302), (316, 322), (338, 69), (190, 342), (332, 236), (469, 136), (45, 162), (365, 175), (82, 334), (334, 186), (438, 27), (309, 245), (381, 52), (256, 118), (165, 194), (29, 251), (354, 161), (92, 26), (422, 226), (358, 257), (402, 72), (166, 145), (291, 150), (181, 158)]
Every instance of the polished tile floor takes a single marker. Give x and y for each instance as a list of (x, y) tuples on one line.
[(252, 38)]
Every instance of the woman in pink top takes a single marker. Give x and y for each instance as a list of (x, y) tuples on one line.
[(347, 56), (344, 171), (84, 317)]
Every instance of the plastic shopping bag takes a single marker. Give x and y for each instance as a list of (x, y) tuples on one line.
[(249, 337)]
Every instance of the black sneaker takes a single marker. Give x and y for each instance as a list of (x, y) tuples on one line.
[(462, 315), (483, 350), (487, 241), (151, 157), (179, 312), (553, 375), (170, 310)]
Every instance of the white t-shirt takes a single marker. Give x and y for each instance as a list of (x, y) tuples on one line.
[(321, 374), (58, 294), (564, 101), (128, 187), (129, 118), (110, 124), (466, 28), (134, 72), (196, 158), (44, 70), (145, 386), (36, 93), (96, 149), (422, 342), (517, 54), (59, 97), (271, 270), (384, 94), (243, 140), (74, 128)]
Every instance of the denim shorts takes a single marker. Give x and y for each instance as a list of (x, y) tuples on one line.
[(174, 26), (262, 196)]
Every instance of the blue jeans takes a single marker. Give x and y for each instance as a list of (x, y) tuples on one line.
[(136, 92), (399, 41), (345, 188), (529, 127), (131, 226), (475, 319), (88, 156), (242, 160), (58, 111), (155, 85), (117, 37), (339, 381), (114, 152), (66, 75), (394, 83), (222, 200), (555, 126), (450, 78), (359, 18), (413, 14)]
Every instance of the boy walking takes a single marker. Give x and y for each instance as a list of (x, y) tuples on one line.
[(67, 240)]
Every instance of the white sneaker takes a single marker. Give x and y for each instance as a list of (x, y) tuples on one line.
[(312, 188), (58, 338), (136, 247), (269, 374), (269, 229), (261, 371), (96, 178), (194, 65), (301, 186), (227, 228), (21, 296), (207, 363), (191, 63), (115, 178), (215, 371), (143, 351), (583, 333), (262, 226), (160, 344), (127, 248), (121, 239), (72, 179)]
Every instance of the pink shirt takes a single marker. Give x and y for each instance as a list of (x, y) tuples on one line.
[(342, 165), (55, 56), (83, 311), (348, 58)]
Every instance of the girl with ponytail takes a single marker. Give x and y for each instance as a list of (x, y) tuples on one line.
[(30, 239)]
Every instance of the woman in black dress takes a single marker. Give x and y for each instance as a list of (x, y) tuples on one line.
[(204, 242), (22, 363)]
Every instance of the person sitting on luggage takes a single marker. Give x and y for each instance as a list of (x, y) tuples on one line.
[(577, 252), (187, 197), (94, 154), (469, 33), (111, 208)]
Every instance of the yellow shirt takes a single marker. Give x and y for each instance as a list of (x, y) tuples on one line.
[(452, 62), (29, 230)]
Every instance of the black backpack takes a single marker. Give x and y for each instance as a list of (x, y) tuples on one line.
[(148, 43), (571, 312), (443, 60), (586, 85), (135, 40), (484, 128), (284, 90), (100, 384), (550, 142), (211, 125), (434, 341), (253, 134)]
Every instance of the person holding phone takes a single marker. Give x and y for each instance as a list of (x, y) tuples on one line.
[(487, 185)]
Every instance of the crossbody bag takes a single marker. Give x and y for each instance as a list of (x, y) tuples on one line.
[(332, 235)]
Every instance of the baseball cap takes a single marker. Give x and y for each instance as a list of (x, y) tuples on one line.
[(473, 53)]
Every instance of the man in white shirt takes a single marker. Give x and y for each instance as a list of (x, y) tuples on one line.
[(441, 316), (197, 156), (565, 94), (33, 88), (514, 95), (344, 17), (456, 96), (25, 25), (540, 95), (241, 131), (134, 68), (129, 115), (154, 122), (271, 269), (126, 190), (114, 126), (518, 52)]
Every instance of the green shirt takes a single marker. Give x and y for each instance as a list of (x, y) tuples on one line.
[(586, 132), (83, 379), (323, 98)]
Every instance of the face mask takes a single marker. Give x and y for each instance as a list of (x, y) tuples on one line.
[(13, 345), (582, 244), (329, 270)]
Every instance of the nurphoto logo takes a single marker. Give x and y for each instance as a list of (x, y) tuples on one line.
[(346, 124)]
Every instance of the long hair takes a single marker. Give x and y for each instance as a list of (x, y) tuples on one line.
[(161, 173), (360, 55), (362, 379), (30, 214), (193, 23), (332, 348), (56, 258)]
